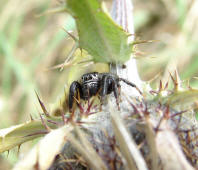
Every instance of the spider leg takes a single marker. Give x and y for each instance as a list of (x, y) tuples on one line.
[(108, 85), (103, 90), (130, 84), (75, 91), (116, 91), (104, 86)]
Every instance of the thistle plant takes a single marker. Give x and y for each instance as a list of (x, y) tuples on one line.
[(154, 130)]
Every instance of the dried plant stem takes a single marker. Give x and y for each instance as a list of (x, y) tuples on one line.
[(122, 14), (127, 145)]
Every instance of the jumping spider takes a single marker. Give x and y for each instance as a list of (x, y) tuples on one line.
[(95, 83)]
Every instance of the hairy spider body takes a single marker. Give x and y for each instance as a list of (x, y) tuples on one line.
[(95, 83)]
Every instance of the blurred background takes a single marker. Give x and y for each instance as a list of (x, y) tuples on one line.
[(31, 44)]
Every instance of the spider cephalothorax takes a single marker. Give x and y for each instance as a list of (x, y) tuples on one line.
[(95, 83)]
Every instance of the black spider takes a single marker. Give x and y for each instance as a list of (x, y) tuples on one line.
[(95, 83)]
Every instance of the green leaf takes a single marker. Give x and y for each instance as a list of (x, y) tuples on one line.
[(16, 135), (98, 34), (183, 99), (42, 153)]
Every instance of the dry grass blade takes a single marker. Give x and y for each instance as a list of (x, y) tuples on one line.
[(52, 11), (150, 138), (170, 151), (42, 155), (70, 55), (127, 145), (86, 150)]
